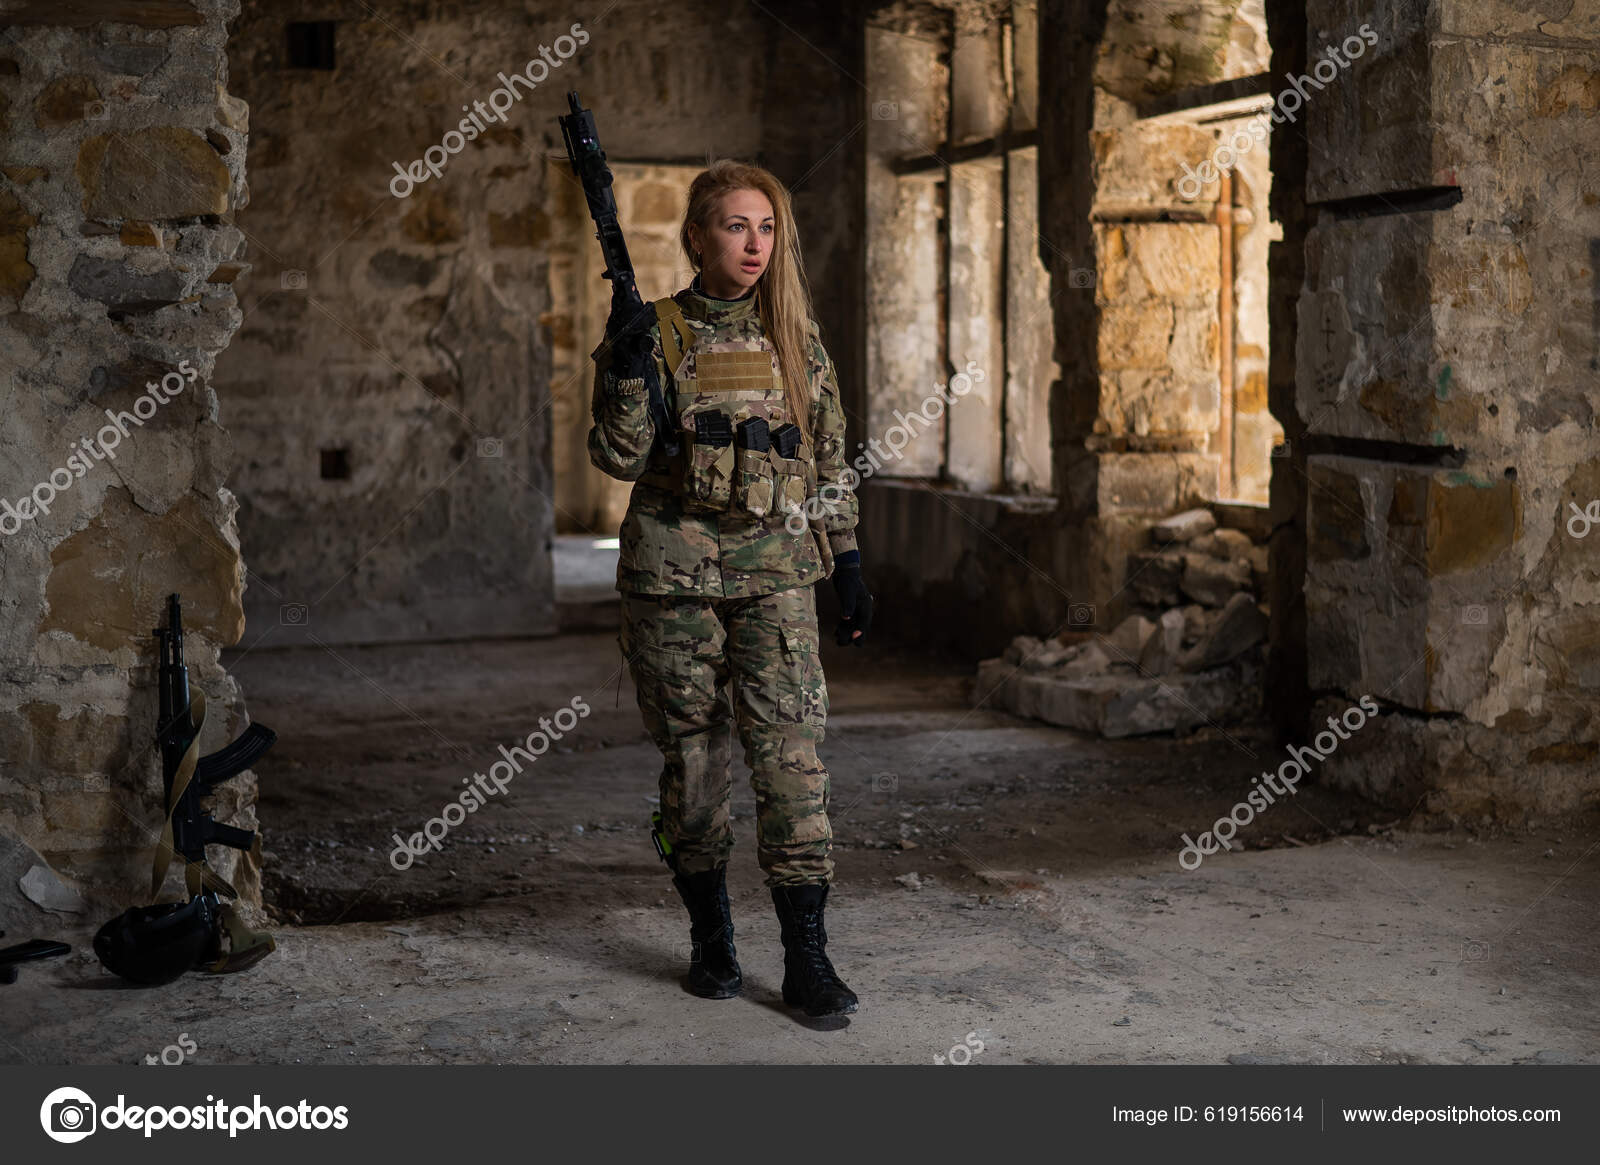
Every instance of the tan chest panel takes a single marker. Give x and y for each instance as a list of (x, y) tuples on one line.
[(735, 371), (737, 376)]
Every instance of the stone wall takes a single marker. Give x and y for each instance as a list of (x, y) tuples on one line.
[(388, 397), (1132, 312), (407, 365), (1446, 373), (389, 389), (121, 169)]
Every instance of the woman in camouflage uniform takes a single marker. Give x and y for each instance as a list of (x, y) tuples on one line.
[(720, 548)]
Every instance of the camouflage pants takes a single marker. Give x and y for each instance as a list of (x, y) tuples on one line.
[(688, 656)]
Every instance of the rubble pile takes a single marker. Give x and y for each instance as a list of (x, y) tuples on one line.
[(1191, 653)]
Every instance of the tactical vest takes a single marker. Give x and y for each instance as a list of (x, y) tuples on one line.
[(720, 386)]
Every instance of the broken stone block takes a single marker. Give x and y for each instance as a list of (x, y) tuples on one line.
[(1124, 705), (991, 689), (1160, 654), (32, 896), (129, 59), (140, 234), (1021, 648), (1253, 520), (1212, 581), (151, 174), (1229, 544), (1196, 622), (44, 889), (1050, 655), (1184, 527), (1125, 643), (1240, 627), (232, 111), (1259, 562), (64, 101), (1153, 576), (16, 273), (228, 272), (121, 288), (1091, 659)]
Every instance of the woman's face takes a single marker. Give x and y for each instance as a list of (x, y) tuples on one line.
[(736, 244)]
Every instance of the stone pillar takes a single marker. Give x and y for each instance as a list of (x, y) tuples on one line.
[(1287, 697), (1446, 370), (123, 163), (975, 323), (1070, 43), (908, 79)]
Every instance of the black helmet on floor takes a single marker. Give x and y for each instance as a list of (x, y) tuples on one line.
[(152, 945)]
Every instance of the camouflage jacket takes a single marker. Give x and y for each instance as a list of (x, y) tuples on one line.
[(670, 546)]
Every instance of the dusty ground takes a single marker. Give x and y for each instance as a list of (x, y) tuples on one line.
[(1052, 923)]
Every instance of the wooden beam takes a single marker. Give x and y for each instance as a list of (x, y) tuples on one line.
[(948, 155), (1200, 96)]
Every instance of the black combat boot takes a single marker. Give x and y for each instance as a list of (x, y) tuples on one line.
[(713, 967), (809, 980)]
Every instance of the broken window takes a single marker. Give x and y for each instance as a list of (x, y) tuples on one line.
[(1183, 293), (959, 328)]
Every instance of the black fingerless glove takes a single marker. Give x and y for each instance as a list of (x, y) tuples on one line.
[(855, 601)]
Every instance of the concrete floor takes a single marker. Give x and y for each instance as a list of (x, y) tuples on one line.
[(1050, 922)]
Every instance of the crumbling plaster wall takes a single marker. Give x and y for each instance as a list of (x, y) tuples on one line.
[(121, 166)]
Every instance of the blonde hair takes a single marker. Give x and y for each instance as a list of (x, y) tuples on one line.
[(783, 300)]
